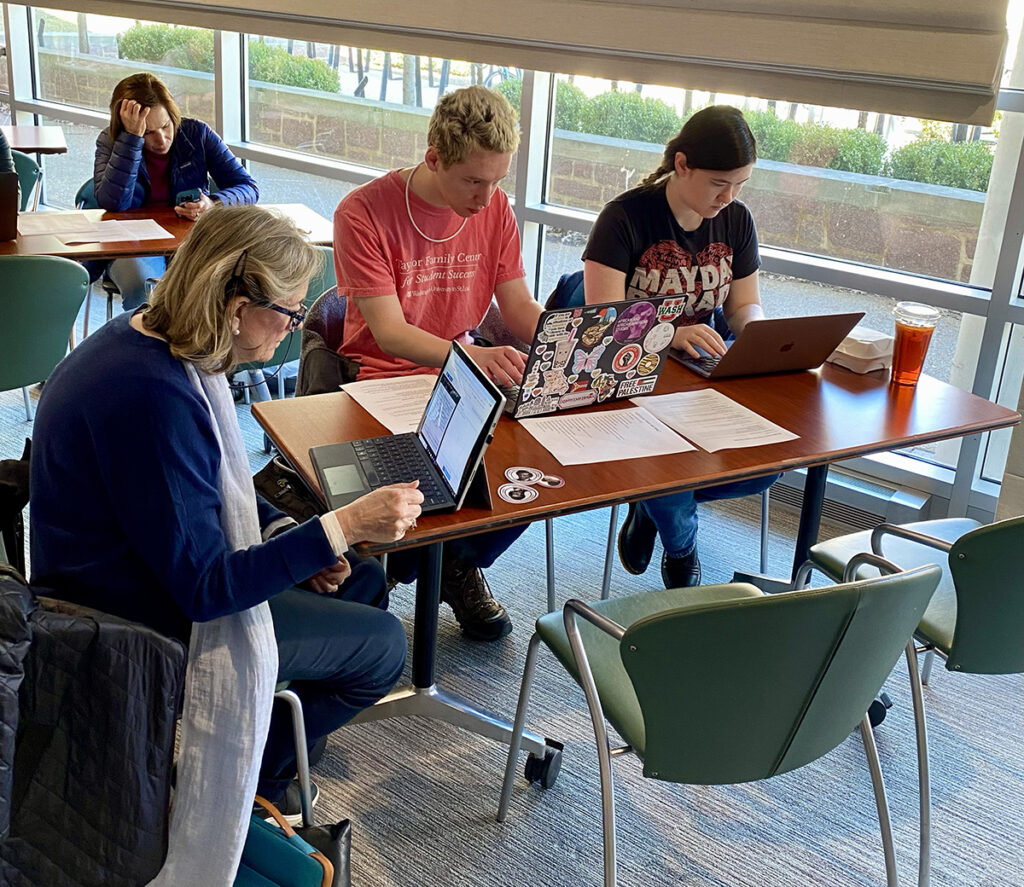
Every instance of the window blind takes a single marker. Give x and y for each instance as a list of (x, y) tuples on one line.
[(936, 59)]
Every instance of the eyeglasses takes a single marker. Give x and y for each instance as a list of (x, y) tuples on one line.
[(238, 286), (295, 318)]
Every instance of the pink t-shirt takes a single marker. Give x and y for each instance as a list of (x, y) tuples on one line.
[(443, 288)]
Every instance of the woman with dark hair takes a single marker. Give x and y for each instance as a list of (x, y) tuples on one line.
[(151, 156), (681, 232)]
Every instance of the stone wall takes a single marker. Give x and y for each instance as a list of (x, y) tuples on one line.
[(908, 226)]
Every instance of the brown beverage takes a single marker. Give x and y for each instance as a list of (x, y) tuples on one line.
[(914, 327)]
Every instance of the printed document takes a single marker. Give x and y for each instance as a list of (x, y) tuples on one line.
[(397, 403), (116, 231), (583, 438), (713, 421)]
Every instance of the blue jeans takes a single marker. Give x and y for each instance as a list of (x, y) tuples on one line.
[(130, 276), (342, 653), (675, 515)]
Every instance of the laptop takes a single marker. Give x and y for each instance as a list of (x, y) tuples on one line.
[(443, 454), (8, 205), (595, 353), (774, 345)]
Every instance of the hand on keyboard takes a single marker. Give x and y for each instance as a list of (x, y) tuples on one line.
[(698, 335), (381, 516)]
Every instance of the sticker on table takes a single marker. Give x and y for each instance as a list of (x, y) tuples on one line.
[(634, 322), (517, 494), (627, 358), (551, 481), (520, 474), (659, 337)]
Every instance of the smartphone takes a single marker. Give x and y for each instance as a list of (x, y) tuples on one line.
[(189, 196)]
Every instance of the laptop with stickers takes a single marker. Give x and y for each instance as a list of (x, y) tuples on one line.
[(595, 353)]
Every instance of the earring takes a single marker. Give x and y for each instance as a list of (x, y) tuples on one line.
[(236, 331)]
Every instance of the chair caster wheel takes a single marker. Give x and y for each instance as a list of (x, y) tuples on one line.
[(878, 708), (544, 770)]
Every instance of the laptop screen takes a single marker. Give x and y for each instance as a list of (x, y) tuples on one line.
[(458, 416)]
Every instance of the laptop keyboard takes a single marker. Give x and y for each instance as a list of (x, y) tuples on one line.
[(511, 393), (705, 363), (398, 459)]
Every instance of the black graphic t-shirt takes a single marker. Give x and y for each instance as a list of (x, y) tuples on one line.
[(636, 233)]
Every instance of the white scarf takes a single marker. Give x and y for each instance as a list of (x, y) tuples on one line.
[(229, 691)]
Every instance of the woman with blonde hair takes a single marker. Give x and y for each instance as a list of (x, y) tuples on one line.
[(151, 156), (143, 506)]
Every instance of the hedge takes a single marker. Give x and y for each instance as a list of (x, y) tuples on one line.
[(192, 49), (956, 164)]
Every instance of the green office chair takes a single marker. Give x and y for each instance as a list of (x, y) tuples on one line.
[(40, 297), (289, 348), (974, 619), (647, 662), (30, 177)]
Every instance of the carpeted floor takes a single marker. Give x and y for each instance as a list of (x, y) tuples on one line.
[(422, 795)]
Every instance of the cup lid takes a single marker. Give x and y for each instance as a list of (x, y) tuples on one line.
[(916, 314)]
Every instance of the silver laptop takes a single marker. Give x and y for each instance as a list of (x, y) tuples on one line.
[(443, 454), (774, 345)]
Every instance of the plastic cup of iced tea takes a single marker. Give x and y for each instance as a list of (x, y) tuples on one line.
[(915, 324)]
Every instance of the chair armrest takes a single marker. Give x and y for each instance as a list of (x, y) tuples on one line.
[(874, 560), (576, 607), (903, 533)]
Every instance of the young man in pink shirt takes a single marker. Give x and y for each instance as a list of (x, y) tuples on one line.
[(419, 253)]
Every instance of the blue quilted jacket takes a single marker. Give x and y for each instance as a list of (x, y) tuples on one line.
[(197, 153)]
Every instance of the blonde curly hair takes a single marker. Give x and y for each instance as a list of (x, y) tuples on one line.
[(474, 118)]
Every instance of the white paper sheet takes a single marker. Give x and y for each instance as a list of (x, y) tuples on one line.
[(52, 223), (116, 231), (583, 438), (713, 421), (396, 403)]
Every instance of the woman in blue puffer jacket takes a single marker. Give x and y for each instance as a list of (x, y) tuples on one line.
[(151, 156)]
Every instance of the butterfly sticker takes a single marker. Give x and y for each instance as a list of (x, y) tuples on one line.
[(586, 362)]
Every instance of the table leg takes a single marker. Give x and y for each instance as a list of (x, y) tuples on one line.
[(806, 535), (810, 514), (424, 698)]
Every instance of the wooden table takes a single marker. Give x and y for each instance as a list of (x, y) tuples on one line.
[(320, 232), (836, 413), (36, 139)]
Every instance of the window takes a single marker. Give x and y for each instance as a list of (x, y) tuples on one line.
[(891, 192), (82, 57), (360, 106)]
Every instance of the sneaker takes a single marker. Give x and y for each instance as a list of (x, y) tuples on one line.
[(290, 804), (465, 590), (681, 572), (636, 540)]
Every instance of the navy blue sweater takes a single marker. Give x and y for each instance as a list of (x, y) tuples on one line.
[(125, 508), (197, 154)]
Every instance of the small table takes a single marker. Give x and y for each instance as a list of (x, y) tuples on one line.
[(836, 413), (36, 139), (320, 231)]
